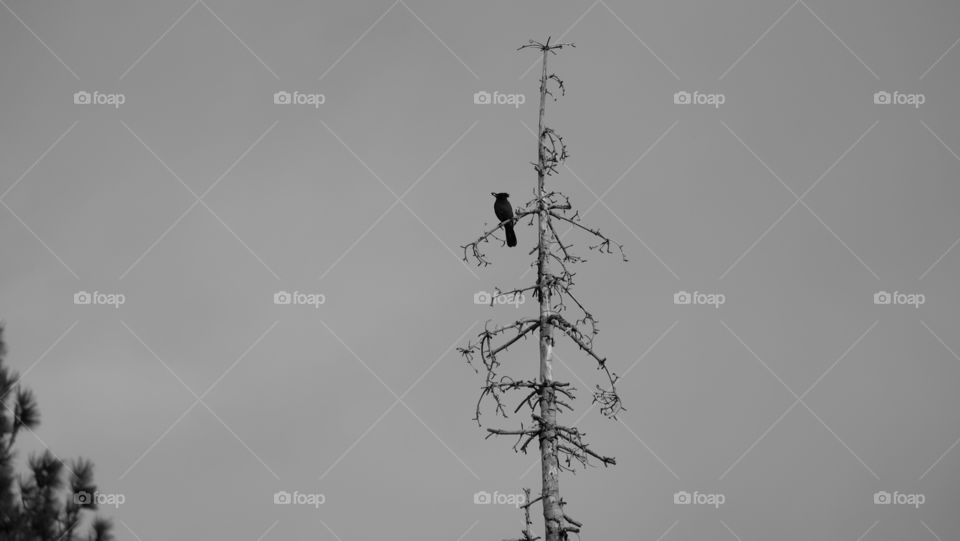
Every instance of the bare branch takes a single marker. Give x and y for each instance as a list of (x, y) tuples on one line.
[(604, 246)]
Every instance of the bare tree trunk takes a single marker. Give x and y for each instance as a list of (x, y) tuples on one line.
[(550, 472), (553, 289)]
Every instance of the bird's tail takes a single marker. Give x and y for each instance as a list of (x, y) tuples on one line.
[(511, 236)]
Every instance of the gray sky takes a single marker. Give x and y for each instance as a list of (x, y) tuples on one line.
[(797, 399)]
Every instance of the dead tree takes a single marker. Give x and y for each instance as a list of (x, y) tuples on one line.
[(560, 446)]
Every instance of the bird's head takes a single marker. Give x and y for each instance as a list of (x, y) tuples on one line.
[(501, 195)]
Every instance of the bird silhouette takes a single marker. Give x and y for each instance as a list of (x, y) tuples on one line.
[(504, 211)]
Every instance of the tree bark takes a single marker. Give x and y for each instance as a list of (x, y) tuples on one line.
[(550, 472)]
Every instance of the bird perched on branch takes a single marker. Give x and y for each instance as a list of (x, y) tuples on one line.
[(504, 211)]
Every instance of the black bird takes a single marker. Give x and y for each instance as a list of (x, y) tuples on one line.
[(504, 211)]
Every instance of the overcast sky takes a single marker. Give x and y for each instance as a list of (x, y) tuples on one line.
[(787, 192)]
